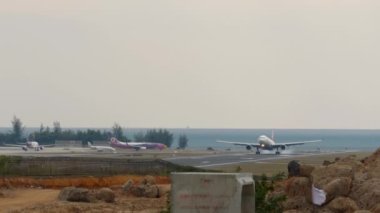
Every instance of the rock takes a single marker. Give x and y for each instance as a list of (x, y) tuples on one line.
[(326, 163), (372, 164), (297, 169), (163, 190), (375, 157), (367, 194), (127, 185), (306, 170), (322, 175), (345, 185), (137, 191), (351, 161), (147, 188), (343, 204), (74, 194), (335, 180), (337, 187), (8, 184), (105, 194), (297, 203), (376, 208), (293, 168), (296, 211), (150, 191), (148, 180), (298, 186), (323, 209)]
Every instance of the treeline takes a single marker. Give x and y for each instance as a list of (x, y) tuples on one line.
[(47, 135)]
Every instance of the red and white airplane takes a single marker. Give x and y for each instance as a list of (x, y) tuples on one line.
[(115, 143), (266, 143)]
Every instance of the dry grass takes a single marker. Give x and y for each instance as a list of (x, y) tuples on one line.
[(88, 182)]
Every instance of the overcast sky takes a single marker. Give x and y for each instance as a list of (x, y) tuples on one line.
[(198, 63)]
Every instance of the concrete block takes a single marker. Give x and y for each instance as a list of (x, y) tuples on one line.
[(212, 192)]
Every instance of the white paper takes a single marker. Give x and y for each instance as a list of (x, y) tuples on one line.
[(318, 196)]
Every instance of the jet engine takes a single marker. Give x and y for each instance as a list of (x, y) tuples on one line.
[(283, 147), (248, 147)]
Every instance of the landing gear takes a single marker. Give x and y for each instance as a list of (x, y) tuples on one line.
[(277, 152), (257, 151)]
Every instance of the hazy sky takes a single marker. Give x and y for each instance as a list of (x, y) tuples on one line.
[(198, 63)]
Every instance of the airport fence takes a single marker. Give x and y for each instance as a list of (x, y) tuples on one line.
[(85, 166)]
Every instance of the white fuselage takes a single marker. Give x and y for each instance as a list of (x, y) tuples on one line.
[(101, 148), (136, 145), (32, 145), (265, 142)]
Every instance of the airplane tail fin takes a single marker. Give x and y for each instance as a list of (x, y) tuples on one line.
[(89, 143), (113, 140)]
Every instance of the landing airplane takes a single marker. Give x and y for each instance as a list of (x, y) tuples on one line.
[(266, 143), (30, 145), (101, 148), (115, 143)]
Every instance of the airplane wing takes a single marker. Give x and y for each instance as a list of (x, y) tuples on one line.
[(47, 145), (295, 143), (22, 145), (14, 145), (241, 143), (104, 148), (100, 148), (138, 147)]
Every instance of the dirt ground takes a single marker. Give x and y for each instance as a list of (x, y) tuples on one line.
[(28, 198)]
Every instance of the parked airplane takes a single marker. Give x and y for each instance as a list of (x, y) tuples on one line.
[(136, 145), (30, 145), (101, 148), (266, 143)]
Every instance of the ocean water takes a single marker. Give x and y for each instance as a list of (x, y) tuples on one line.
[(332, 140)]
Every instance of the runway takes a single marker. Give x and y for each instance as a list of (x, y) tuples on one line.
[(200, 159), (238, 158)]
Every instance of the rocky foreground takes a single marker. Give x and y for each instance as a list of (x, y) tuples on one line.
[(142, 195), (345, 185)]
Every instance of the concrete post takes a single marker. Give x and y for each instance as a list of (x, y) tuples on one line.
[(212, 192)]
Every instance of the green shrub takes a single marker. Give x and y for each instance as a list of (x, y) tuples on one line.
[(264, 185)]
